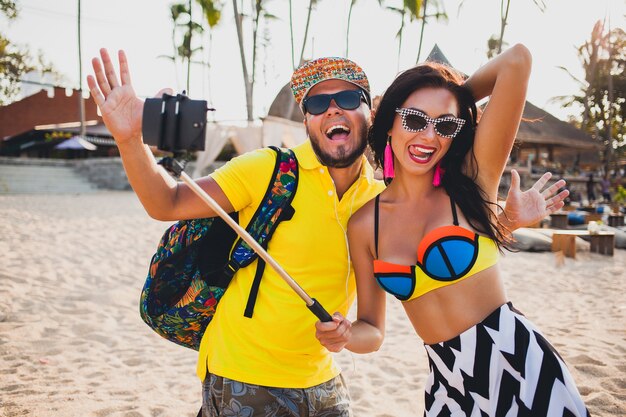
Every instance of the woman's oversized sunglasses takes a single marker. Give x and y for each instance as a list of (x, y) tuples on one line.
[(347, 100), (414, 120)]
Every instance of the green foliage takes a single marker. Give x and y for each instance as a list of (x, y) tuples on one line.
[(212, 11), (16, 60), (185, 29), (603, 58), (14, 63), (620, 195), (9, 9)]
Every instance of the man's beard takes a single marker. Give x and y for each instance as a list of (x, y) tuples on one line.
[(343, 158)]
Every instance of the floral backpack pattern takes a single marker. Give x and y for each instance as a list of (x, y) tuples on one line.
[(196, 260)]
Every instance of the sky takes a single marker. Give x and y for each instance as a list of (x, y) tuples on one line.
[(143, 28)]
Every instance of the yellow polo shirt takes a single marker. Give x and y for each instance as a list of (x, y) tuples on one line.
[(277, 346)]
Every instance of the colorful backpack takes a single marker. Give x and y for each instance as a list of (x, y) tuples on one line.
[(194, 263)]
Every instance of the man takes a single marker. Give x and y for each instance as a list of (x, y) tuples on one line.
[(272, 364)]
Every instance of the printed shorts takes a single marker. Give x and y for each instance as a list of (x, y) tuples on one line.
[(228, 398)]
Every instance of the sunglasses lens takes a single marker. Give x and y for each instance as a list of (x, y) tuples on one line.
[(348, 100), (415, 122), (447, 128), (317, 104)]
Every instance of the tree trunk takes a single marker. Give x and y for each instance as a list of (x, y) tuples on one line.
[(348, 27), (189, 57), (419, 48), (306, 30), (81, 103), (246, 80), (293, 64), (255, 31), (609, 123), (504, 18), (400, 42)]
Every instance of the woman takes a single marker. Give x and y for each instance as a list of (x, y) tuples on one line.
[(485, 357)]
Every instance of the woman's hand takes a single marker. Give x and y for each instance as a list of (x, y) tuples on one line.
[(334, 335), (122, 110), (523, 208)]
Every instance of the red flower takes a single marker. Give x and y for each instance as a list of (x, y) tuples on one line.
[(289, 165)]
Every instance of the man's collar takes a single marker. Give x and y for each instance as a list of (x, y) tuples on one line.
[(308, 160), (306, 156)]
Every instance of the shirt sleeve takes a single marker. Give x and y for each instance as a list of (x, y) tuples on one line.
[(244, 179)]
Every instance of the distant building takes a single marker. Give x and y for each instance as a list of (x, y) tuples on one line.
[(37, 124)]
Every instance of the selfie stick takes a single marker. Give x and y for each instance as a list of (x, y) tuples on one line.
[(175, 168)]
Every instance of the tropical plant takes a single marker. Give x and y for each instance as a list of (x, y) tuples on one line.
[(258, 14), (185, 29), (212, 13), (8, 8), (15, 60), (416, 10), (312, 3), (494, 44), (14, 63), (352, 3), (438, 14), (412, 8), (620, 195), (603, 90)]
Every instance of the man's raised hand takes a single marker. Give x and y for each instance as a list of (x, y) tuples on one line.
[(121, 109)]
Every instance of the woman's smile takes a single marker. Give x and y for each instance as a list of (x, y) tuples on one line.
[(421, 154)]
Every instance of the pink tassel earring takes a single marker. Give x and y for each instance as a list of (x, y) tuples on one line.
[(388, 171), (438, 174)]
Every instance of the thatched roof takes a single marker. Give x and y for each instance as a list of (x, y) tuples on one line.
[(542, 128), (436, 55), (285, 106)]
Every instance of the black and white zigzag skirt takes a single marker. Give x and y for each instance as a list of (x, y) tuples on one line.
[(501, 367)]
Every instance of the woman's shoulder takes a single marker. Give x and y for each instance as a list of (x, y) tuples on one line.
[(363, 217)]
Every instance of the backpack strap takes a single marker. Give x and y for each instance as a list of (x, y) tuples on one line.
[(275, 207)]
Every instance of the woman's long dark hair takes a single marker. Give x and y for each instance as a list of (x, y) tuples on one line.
[(468, 196)]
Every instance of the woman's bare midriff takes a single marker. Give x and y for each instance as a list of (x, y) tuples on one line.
[(446, 312)]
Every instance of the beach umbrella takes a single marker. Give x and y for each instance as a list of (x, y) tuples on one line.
[(76, 142)]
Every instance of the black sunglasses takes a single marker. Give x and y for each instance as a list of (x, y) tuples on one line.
[(414, 120), (347, 100)]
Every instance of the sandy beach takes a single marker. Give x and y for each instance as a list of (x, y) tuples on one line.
[(72, 342)]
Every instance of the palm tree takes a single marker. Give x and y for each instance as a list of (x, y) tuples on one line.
[(212, 13), (504, 15), (81, 103), (248, 83), (182, 18), (603, 58), (293, 64), (352, 2), (439, 14), (496, 44), (177, 10), (589, 54), (412, 8), (348, 26), (258, 14), (312, 3)]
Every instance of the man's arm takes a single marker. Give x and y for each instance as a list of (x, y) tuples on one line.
[(122, 111), (523, 208)]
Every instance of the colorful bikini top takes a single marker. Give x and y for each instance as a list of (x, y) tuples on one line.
[(445, 255)]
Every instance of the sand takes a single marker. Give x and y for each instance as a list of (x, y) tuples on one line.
[(72, 342)]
